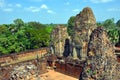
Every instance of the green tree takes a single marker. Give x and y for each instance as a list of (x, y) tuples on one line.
[(99, 24), (109, 24), (39, 35), (18, 22), (118, 26), (71, 24), (20, 36), (3, 29), (118, 23), (4, 33), (112, 30), (113, 35)]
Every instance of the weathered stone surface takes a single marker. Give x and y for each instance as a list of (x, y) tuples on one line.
[(58, 37), (101, 61), (30, 70), (85, 23), (74, 52), (25, 71), (84, 17)]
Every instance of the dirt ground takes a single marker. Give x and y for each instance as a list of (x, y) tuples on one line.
[(53, 75)]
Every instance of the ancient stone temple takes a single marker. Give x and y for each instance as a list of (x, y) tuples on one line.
[(58, 38), (101, 61), (85, 23)]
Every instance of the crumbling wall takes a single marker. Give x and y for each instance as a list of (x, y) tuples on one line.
[(101, 61), (23, 56)]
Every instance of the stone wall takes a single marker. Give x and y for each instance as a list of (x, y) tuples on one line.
[(23, 56)]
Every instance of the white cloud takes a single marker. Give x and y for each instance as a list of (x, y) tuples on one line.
[(100, 1), (50, 11), (114, 9), (38, 9), (8, 9), (33, 9), (18, 5), (5, 7), (43, 6), (2, 3), (76, 10)]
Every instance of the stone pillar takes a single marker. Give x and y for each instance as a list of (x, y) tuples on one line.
[(74, 53)]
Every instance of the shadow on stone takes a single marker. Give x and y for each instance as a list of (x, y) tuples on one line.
[(66, 48)]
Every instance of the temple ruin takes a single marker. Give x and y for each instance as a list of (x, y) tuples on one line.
[(88, 54), (85, 23), (59, 36), (101, 61)]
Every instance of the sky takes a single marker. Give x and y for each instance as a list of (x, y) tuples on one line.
[(56, 11)]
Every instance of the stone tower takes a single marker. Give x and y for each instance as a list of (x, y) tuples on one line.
[(101, 61), (58, 37), (85, 23)]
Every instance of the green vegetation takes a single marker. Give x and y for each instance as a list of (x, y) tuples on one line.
[(118, 23), (21, 36), (71, 24), (112, 28)]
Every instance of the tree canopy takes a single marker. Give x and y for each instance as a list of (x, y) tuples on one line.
[(71, 24), (112, 29), (118, 23), (21, 36)]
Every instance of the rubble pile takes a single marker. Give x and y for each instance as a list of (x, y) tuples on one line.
[(24, 71)]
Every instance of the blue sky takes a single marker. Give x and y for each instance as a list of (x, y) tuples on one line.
[(55, 11)]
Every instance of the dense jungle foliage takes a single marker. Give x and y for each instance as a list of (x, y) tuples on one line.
[(20, 36)]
